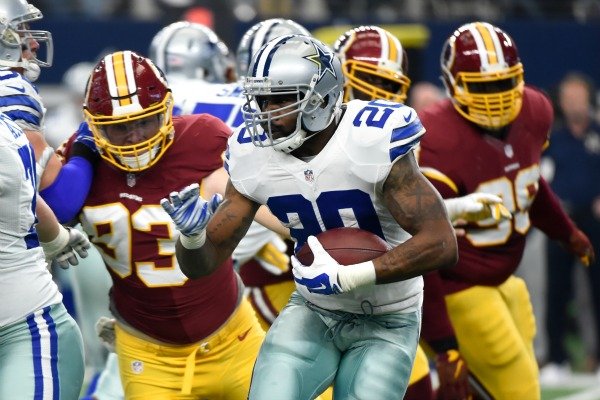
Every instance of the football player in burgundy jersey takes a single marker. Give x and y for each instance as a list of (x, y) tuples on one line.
[(487, 137), (375, 66), (174, 335)]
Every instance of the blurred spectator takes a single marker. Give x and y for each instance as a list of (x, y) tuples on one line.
[(572, 163), (424, 93)]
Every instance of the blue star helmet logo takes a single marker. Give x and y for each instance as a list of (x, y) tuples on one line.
[(323, 60)]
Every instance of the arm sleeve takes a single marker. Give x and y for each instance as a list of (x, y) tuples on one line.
[(436, 329), (547, 214), (67, 193)]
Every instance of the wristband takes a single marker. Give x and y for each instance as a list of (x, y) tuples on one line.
[(53, 247), (353, 276), (81, 150), (194, 241)]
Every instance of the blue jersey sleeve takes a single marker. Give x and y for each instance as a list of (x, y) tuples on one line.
[(67, 193)]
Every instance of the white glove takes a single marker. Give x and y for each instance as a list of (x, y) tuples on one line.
[(476, 207), (65, 247), (105, 329), (327, 276), (191, 214)]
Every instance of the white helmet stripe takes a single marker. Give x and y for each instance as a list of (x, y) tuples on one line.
[(121, 81), (490, 51), (385, 48), (264, 58), (260, 37)]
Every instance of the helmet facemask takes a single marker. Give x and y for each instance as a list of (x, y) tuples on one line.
[(45, 53), (125, 93), (139, 156), (306, 103), (483, 75), (358, 74), (490, 100), (374, 64)]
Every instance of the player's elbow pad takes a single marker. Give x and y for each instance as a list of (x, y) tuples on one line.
[(66, 194)]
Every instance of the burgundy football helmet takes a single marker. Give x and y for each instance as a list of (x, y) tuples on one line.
[(374, 63), (125, 87), (483, 74)]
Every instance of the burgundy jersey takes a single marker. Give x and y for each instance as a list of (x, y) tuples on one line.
[(136, 238), (459, 158)]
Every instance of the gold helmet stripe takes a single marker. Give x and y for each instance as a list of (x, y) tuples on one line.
[(388, 47), (121, 78), (394, 47), (488, 44)]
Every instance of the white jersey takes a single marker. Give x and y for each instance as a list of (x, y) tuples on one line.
[(21, 101), (224, 101), (341, 186), (25, 283)]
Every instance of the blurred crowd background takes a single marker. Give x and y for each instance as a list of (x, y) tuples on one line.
[(553, 35)]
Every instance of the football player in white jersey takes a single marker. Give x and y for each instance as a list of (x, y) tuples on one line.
[(352, 326), (41, 348), (202, 83), (20, 100)]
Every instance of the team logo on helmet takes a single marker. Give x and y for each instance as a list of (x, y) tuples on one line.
[(324, 60)]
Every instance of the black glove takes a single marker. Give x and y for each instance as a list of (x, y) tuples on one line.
[(84, 145)]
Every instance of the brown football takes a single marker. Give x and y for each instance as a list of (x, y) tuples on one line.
[(347, 246)]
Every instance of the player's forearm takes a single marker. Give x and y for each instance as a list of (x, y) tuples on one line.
[(430, 249), (269, 221), (547, 214), (47, 226), (197, 262)]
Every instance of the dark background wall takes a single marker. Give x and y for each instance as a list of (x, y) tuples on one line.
[(548, 48)]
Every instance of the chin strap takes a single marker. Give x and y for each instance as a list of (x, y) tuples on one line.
[(32, 71)]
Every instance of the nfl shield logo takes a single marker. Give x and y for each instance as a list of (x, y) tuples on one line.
[(137, 367), (309, 176)]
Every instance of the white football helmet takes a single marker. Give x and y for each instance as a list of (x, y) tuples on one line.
[(190, 50), (10, 45), (261, 33), (293, 65), (38, 44)]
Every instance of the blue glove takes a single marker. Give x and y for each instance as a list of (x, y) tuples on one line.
[(189, 211), (84, 144), (322, 276)]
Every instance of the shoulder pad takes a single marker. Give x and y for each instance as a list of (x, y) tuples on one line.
[(380, 131)]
